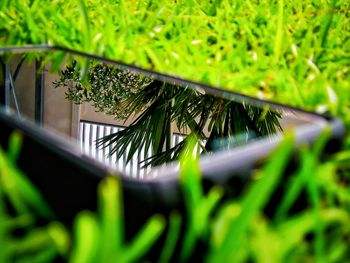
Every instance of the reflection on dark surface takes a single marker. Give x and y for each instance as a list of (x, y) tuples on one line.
[(158, 109), (135, 119)]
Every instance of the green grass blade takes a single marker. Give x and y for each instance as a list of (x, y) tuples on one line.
[(172, 238), (111, 218), (147, 236), (87, 238)]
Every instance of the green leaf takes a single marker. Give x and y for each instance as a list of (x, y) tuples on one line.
[(111, 218), (87, 239), (172, 238), (15, 145), (146, 237)]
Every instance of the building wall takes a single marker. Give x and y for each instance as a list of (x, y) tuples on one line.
[(58, 111), (25, 88), (88, 113), (60, 115)]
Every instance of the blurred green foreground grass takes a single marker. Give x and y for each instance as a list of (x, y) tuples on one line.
[(234, 230)]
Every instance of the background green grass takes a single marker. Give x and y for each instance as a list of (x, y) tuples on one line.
[(294, 52)]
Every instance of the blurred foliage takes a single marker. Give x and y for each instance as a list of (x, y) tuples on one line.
[(241, 230), (107, 87), (100, 238), (96, 237), (234, 230), (21, 208)]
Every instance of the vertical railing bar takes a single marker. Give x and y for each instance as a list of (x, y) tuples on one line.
[(39, 94), (132, 165), (93, 143), (124, 159), (110, 147), (7, 88), (81, 138), (96, 138), (104, 135), (12, 87), (138, 164), (86, 139), (90, 140)]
